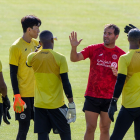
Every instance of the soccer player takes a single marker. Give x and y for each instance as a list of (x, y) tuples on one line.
[(50, 70), (22, 77), (4, 100), (102, 77), (128, 83)]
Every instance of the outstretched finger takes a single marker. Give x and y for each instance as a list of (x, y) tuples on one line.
[(70, 38), (80, 41), (132, 26), (72, 34), (75, 35)]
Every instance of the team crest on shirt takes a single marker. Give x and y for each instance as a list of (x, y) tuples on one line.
[(114, 64), (114, 56), (22, 116), (35, 47)]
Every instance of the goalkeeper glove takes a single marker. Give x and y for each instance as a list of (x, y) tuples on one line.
[(6, 114), (6, 102), (19, 104), (112, 109), (71, 113), (128, 28)]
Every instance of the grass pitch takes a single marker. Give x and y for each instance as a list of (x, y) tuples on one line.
[(88, 18)]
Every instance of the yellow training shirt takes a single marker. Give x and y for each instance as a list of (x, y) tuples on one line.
[(48, 65), (129, 65), (0, 93), (18, 56)]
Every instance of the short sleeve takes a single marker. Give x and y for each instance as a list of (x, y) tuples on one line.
[(86, 52), (29, 58), (0, 66), (122, 65), (14, 55), (63, 65)]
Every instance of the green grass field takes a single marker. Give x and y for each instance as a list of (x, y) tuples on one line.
[(88, 18)]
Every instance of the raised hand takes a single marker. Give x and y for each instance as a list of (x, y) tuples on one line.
[(73, 40), (127, 28)]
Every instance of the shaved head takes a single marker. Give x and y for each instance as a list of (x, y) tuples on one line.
[(134, 35), (46, 37)]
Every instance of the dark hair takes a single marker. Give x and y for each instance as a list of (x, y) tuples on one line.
[(30, 21), (134, 35), (45, 36), (116, 28)]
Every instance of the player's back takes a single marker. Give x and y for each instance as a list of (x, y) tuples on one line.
[(47, 66)]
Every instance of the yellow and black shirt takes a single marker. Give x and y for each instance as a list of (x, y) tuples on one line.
[(48, 65), (129, 65), (18, 56)]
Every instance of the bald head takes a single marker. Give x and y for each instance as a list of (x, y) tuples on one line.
[(134, 36), (46, 37)]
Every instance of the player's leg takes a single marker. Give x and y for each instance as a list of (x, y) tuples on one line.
[(43, 136), (24, 119), (104, 119), (137, 125), (65, 136), (104, 126), (42, 123), (123, 122), (91, 124), (23, 130), (1, 110), (59, 122), (92, 111)]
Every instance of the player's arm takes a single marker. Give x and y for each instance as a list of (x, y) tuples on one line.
[(71, 113), (14, 81), (67, 86), (19, 104), (3, 87), (6, 101), (29, 59), (119, 86), (122, 72), (75, 56)]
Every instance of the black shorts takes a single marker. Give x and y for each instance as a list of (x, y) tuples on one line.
[(28, 112), (46, 119), (96, 104)]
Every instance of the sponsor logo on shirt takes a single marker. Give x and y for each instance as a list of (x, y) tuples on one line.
[(114, 56), (101, 54), (106, 63), (22, 116), (114, 64), (103, 63)]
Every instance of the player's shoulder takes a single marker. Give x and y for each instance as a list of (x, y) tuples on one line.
[(57, 54), (17, 43), (95, 46), (125, 56), (35, 41), (120, 50), (32, 54)]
